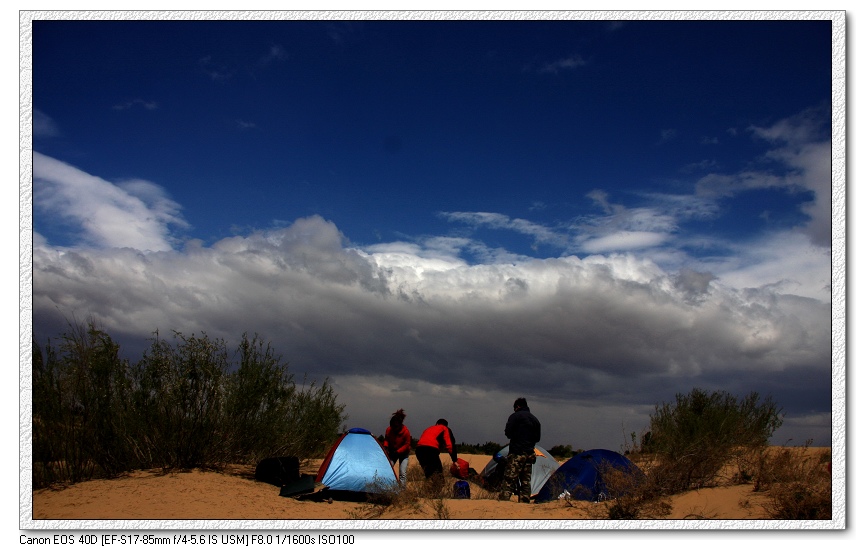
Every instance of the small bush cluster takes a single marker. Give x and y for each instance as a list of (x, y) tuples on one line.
[(489, 448), (691, 440), (563, 452), (797, 482), (184, 404)]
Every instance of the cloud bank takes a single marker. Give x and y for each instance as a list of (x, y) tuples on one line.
[(624, 318), (600, 331)]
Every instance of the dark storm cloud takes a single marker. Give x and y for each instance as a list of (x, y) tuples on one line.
[(608, 330)]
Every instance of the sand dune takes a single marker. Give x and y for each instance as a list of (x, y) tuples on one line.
[(235, 495)]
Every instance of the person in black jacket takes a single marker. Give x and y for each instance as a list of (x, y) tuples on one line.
[(524, 431)]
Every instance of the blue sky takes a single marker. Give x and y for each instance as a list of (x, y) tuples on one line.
[(445, 215)]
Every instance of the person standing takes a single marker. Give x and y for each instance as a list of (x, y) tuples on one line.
[(434, 440), (524, 431), (397, 443)]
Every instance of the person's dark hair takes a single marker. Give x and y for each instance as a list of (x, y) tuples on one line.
[(520, 403), (397, 418), (442, 421)]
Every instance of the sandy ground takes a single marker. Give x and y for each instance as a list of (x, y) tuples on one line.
[(235, 495)]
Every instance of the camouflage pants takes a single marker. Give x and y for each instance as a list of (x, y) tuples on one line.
[(518, 477)]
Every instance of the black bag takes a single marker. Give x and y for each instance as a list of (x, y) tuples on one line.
[(306, 484), (278, 471)]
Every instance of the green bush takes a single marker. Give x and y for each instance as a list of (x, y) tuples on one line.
[(80, 408), (562, 452), (314, 422), (178, 400), (693, 438), (184, 404), (489, 448), (259, 399)]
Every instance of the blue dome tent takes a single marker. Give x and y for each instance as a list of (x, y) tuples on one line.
[(356, 467)]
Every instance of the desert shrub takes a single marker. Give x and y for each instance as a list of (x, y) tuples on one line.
[(80, 408), (53, 430), (562, 451), (201, 413), (693, 438), (258, 403), (314, 420), (632, 496), (798, 483), (178, 400), (257, 399), (489, 448), (182, 405)]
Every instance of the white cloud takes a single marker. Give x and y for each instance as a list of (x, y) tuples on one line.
[(788, 262), (133, 214), (246, 125), (623, 240), (565, 64), (801, 129), (668, 134), (43, 125), (627, 229), (813, 163), (214, 70), (676, 208), (276, 53), (149, 105), (800, 160), (540, 233), (803, 153), (727, 185)]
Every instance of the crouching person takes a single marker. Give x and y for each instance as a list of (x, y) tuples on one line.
[(434, 440)]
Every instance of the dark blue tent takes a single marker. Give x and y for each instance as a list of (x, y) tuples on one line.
[(583, 476)]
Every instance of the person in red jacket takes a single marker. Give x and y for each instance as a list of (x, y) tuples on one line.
[(434, 440), (397, 443)]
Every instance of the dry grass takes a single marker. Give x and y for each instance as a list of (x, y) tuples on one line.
[(627, 496), (418, 495), (798, 482), (634, 498)]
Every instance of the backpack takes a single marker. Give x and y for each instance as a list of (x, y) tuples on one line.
[(460, 469), (462, 489)]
